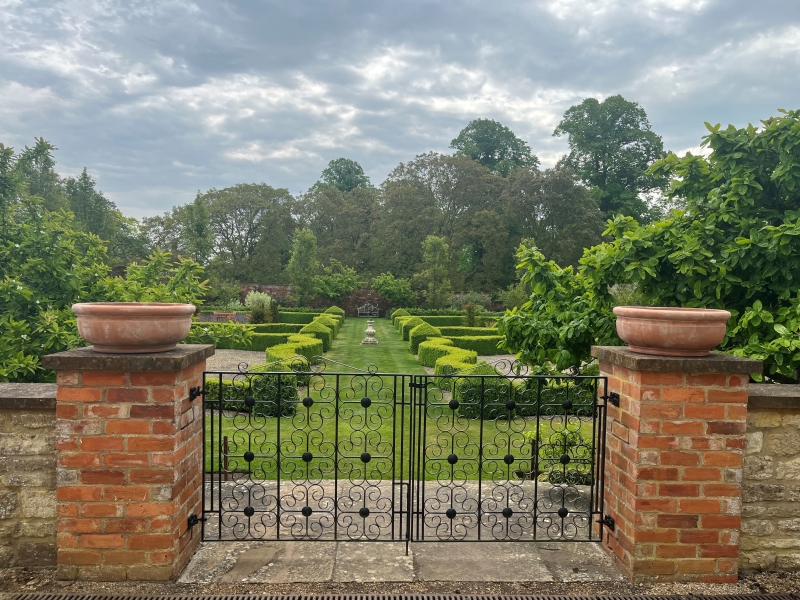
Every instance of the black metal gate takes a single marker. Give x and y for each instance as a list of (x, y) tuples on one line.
[(306, 454)]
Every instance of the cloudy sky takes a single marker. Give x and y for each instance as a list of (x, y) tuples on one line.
[(160, 99)]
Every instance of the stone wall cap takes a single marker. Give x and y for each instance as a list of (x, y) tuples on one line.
[(86, 359), (765, 395), (716, 362), (27, 396)]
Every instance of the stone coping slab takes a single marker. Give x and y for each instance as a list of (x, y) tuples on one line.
[(86, 359), (716, 362), (765, 395), (27, 396)]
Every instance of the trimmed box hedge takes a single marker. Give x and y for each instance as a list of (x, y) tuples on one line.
[(432, 349), (407, 325), (297, 317), (318, 330), (471, 331), (335, 310), (443, 320), (331, 322), (273, 393), (482, 345), (419, 334), (297, 344), (400, 312), (277, 328)]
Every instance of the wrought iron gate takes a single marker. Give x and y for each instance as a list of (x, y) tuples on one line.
[(306, 454)]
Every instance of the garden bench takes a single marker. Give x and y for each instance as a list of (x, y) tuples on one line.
[(368, 310), (221, 317)]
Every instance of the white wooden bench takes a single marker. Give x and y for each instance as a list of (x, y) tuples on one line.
[(368, 310)]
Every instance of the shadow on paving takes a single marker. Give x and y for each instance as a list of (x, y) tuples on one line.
[(316, 562)]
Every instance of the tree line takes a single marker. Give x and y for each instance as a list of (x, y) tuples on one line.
[(438, 222)]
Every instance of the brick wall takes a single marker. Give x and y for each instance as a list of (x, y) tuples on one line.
[(27, 475), (675, 452), (129, 462), (771, 495)]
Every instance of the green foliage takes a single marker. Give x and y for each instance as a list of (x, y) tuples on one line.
[(274, 394), (483, 345), (400, 312), (419, 334), (468, 331), (159, 278), (495, 146), (406, 324), (258, 303), (277, 328), (487, 393), (222, 335), (736, 246), (298, 344), (434, 275), (611, 148), (297, 317), (335, 310), (514, 296), (336, 281), (329, 321), (344, 174), (303, 266), (396, 291), (433, 349), (319, 330), (471, 314)]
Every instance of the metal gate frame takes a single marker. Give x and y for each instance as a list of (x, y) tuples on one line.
[(365, 484)]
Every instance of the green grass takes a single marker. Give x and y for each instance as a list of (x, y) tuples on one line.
[(383, 430)]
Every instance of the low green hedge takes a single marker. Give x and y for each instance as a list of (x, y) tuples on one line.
[(329, 321), (297, 317), (318, 330), (297, 344), (407, 324), (262, 341), (419, 334), (432, 349), (277, 328), (494, 392), (471, 331), (400, 312), (335, 310), (482, 345), (273, 394), (443, 320), (452, 363)]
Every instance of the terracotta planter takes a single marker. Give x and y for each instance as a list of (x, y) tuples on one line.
[(671, 331), (133, 327)]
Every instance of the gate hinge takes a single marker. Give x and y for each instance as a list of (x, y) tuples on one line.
[(194, 520), (611, 398), (608, 521), (196, 392), (418, 386)]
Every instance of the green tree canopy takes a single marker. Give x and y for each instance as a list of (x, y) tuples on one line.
[(303, 266), (736, 246), (395, 290), (345, 175), (434, 276), (611, 149), (336, 281), (494, 146)]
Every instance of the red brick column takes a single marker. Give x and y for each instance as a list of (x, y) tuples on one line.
[(129, 468), (674, 455)]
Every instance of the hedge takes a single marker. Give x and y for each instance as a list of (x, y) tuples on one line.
[(483, 345), (297, 317), (320, 331), (268, 391), (452, 363), (277, 328), (443, 320), (471, 331), (335, 310), (419, 334), (297, 344), (491, 392), (398, 322), (433, 349), (331, 323), (400, 312), (262, 341), (407, 325)]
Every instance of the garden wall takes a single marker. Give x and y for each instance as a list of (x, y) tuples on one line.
[(770, 533), (27, 475)]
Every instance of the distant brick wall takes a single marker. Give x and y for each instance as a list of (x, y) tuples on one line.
[(27, 475), (771, 496), (349, 303)]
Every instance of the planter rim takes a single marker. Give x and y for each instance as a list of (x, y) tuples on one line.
[(671, 313), (151, 309)]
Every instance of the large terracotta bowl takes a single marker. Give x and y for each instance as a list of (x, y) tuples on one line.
[(133, 327), (671, 331)]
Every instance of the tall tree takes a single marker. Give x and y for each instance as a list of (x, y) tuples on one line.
[(554, 210), (92, 209), (611, 148), (37, 167), (303, 266), (434, 276), (495, 146), (344, 174), (197, 230)]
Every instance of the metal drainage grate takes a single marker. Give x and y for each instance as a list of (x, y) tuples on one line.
[(34, 596)]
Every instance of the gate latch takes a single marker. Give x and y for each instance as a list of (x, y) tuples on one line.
[(194, 520), (418, 386), (611, 398), (608, 521), (195, 393)]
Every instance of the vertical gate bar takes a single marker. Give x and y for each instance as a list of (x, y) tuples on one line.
[(336, 424), (278, 504), (394, 454), (602, 466), (412, 457), (593, 472), (203, 468), (480, 450), (423, 392), (535, 474), (219, 458)]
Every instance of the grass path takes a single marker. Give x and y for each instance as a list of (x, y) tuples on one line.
[(390, 355)]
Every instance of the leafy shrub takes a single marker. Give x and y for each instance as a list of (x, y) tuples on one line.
[(490, 393), (273, 394), (262, 341), (454, 362), (419, 334), (222, 335), (277, 328), (303, 318), (432, 349), (395, 291), (330, 322), (471, 314), (298, 344), (336, 311), (483, 345), (443, 320), (320, 331), (469, 331), (258, 303), (407, 325), (400, 312), (336, 281), (460, 301)]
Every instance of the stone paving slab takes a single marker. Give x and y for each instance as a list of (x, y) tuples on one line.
[(315, 562)]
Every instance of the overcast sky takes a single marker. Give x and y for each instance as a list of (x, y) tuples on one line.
[(160, 99)]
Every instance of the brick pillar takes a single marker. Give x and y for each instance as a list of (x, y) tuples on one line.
[(129, 462), (674, 455)]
